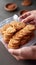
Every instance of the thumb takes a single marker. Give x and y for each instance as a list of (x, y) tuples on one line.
[(14, 51)]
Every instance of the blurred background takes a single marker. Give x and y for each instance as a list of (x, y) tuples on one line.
[(4, 14)]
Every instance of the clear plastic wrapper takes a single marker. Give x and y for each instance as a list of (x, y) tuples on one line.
[(31, 42)]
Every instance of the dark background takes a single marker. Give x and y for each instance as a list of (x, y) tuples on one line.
[(5, 57)]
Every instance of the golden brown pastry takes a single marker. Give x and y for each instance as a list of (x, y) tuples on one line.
[(3, 29), (17, 34), (13, 46), (9, 29), (15, 40), (17, 25), (6, 39), (26, 39), (23, 32), (15, 43), (8, 34), (14, 24)]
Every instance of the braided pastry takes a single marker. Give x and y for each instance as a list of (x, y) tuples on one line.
[(3, 29), (15, 40), (17, 34), (17, 25)]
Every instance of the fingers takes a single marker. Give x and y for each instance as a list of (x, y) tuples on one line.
[(18, 57), (25, 15), (21, 53), (14, 51), (24, 53), (28, 19)]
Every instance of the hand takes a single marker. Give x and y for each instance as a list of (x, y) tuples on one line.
[(24, 53), (29, 17)]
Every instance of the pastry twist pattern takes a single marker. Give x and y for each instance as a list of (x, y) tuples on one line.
[(17, 34)]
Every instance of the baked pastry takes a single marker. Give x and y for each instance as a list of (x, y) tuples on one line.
[(10, 30), (14, 24), (3, 29), (17, 34), (26, 39), (15, 40), (13, 43), (23, 32), (17, 25), (9, 33)]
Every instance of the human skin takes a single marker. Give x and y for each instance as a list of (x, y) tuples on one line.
[(29, 17), (30, 51)]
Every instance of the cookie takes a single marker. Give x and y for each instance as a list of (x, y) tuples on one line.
[(3, 29), (17, 25), (13, 44), (23, 32), (15, 40), (13, 47), (10, 30), (6, 39), (26, 39), (9, 33), (17, 33)]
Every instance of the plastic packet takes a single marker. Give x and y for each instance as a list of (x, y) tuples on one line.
[(16, 18)]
